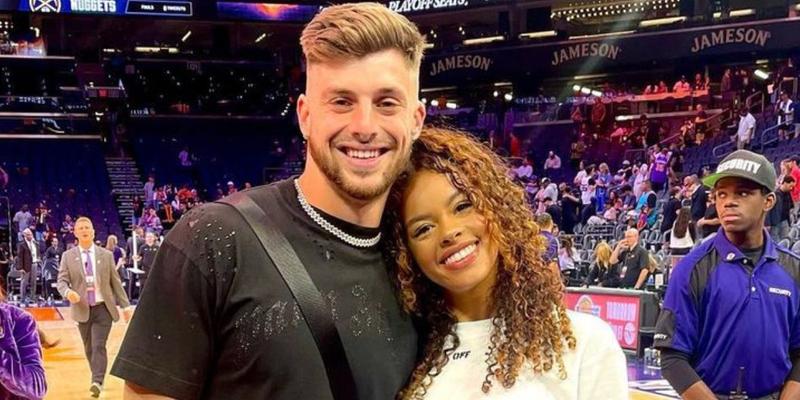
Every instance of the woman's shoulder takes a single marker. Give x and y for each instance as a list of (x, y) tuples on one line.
[(591, 332)]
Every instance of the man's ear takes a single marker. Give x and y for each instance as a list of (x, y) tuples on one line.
[(303, 116), (419, 120), (769, 202)]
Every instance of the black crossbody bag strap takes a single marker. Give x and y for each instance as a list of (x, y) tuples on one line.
[(314, 309)]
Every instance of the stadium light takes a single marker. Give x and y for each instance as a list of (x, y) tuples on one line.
[(428, 46), (451, 105), (484, 40), (261, 37), (660, 21), (495, 93), (597, 93), (435, 103), (508, 96), (761, 74), (576, 88), (537, 35), (186, 36), (586, 91)]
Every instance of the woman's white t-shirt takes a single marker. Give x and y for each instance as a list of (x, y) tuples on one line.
[(596, 369)]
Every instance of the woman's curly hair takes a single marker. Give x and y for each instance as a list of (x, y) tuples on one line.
[(529, 318)]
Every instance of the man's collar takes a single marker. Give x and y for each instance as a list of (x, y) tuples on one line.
[(730, 253)]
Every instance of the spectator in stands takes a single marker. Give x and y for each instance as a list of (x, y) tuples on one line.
[(67, 230), (604, 177), (248, 185), (552, 166), (185, 158), (23, 220), (746, 129), (150, 221), (53, 252), (613, 211), (524, 171), (3, 178), (700, 83), (570, 205), (112, 245), (662, 87), (588, 188), (660, 172), (554, 210), (725, 82), (700, 125), (645, 212), (710, 222), (785, 111), (628, 198), (634, 260), (567, 255), (642, 173), (231, 188), (138, 232), (794, 171), (779, 217), (602, 272), (670, 210), (149, 191), (682, 86), (547, 228), (41, 217), (599, 115), (577, 150), (682, 233), (548, 190), (5, 264)]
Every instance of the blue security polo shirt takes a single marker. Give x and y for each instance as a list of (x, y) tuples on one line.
[(726, 317)]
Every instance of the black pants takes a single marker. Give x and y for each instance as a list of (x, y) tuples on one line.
[(94, 333), (29, 279)]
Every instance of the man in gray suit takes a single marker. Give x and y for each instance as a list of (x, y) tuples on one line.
[(88, 279)]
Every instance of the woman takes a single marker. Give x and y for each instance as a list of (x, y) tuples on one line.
[(21, 370), (567, 255), (603, 273), (112, 245), (681, 238), (468, 259)]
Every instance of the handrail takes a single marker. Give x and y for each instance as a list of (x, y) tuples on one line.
[(633, 151), (707, 122), (764, 133), (749, 101)]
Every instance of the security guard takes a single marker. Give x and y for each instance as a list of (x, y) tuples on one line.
[(730, 325)]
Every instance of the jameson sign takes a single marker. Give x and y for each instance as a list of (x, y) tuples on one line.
[(758, 37), (466, 61), (509, 61), (584, 50), (404, 6)]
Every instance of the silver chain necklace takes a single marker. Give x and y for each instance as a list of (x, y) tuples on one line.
[(322, 222)]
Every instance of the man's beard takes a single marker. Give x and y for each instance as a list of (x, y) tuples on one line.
[(335, 174)]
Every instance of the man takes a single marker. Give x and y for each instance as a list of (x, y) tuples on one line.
[(552, 166), (88, 279), (646, 204), (147, 257), (216, 320), (747, 126), (29, 261), (794, 171), (634, 259), (731, 315), (660, 172), (23, 220), (785, 111), (545, 222), (54, 251), (698, 197), (780, 216), (149, 191), (525, 171), (682, 86), (670, 210)]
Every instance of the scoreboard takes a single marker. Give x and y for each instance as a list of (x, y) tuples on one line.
[(165, 8)]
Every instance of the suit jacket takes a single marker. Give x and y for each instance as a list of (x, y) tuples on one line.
[(107, 282), (25, 257)]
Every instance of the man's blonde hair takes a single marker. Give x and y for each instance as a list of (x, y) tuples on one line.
[(355, 30)]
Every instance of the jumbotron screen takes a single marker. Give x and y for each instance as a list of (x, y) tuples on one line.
[(166, 8), (266, 11)]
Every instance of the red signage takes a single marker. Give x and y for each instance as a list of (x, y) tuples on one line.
[(620, 312)]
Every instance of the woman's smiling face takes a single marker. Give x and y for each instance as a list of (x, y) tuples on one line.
[(448, 238)]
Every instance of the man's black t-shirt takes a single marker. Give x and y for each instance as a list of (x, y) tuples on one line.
[(711, 213), (217, 322), (633, 261)]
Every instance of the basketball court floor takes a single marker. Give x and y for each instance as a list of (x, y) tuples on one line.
[(68, 372)]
